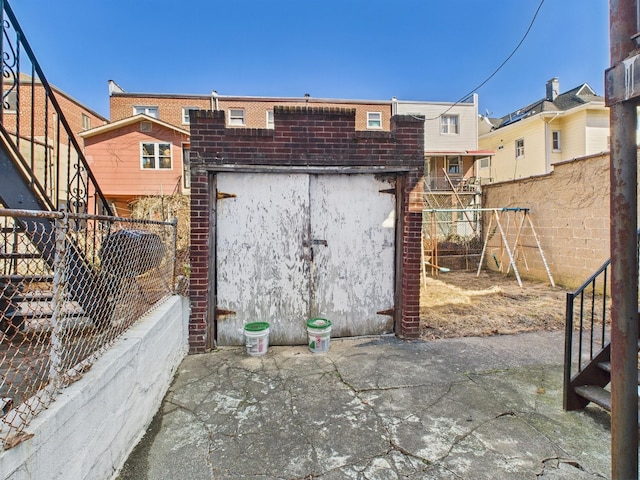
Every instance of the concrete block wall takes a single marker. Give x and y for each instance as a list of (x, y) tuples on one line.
[(307, 137), (93, 425), (570, 212)]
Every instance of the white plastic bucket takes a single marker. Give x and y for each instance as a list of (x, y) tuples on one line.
[(319, 330), (256, 337)]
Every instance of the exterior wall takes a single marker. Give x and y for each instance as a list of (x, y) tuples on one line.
[(304, 137), (505, 166), (434, 140), (583, 131), (43, 112), (170, 107), (117, 397), (570, 211), (114, 158), (597, 131)]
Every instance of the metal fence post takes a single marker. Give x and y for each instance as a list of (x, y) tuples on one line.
[(174, 223), (59, 279)]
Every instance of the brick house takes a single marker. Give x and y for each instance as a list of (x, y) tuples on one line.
[(276, 230), (28, 114)]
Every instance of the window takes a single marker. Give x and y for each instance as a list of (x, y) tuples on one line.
[(449, 124), (453, 167), (555, 141), (185, 114), (10, 103), (150, 111), (156, 156), (86, 122), (236, 117), (520, 148), (270, 120), (186, 166), (374, 119), (485, 162)]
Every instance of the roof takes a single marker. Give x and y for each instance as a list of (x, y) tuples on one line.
[(574, 98), (128, 121), (468, 153)]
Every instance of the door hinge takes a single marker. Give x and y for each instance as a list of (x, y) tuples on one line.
[(390, 311), (221, 195), (391, 191), (221, 312)]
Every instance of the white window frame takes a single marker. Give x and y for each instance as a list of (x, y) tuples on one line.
[(374, 120), (185, 114), (236, 117), (186, 166), (485, 162), (156, 156), (556, 144), (519, 143), (270, 120), (86, 122), (450, 125), (149, 110)]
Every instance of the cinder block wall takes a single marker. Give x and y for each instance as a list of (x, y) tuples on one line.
[(303, 136), (570, 212)]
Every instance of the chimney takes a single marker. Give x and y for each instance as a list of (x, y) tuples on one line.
[(553, 89)]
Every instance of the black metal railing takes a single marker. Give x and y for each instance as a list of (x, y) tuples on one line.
[(587, 330), (44, 144)]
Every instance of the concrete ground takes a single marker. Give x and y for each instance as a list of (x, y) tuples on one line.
[(376, 408)]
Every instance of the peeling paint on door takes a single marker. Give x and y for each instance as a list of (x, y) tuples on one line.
[(293, 246)]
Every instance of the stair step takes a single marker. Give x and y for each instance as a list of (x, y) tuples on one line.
[(597, 395), (606, 366)]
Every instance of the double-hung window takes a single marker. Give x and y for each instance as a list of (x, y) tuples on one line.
[(555, 141), (520, 148), (449, 125), (185, 114), (374, 120), (155, 156), (147, 110), (270, 120), (236, 117)]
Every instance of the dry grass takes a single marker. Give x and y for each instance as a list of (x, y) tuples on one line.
[(459, 304)]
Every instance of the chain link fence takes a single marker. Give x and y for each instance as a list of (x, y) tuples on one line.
[(70, 284)]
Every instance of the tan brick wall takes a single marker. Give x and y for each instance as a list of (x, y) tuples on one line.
[(170, 107), (570, 212)]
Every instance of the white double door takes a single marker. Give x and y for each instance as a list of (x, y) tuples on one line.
[(290, 247)]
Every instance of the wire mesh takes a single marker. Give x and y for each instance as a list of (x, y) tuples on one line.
[(451, 232), (70, 284)]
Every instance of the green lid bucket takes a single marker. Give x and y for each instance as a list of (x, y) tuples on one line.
[(256, 327), (318, 323)]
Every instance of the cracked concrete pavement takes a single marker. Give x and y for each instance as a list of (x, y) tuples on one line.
[(375, 408)]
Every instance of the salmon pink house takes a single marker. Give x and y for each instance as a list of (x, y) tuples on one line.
[(136, 157)]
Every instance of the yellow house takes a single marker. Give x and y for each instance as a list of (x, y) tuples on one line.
[(559, 127)]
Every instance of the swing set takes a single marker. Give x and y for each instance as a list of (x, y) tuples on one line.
[(501, 220)]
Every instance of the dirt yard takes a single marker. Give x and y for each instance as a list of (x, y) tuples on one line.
[(459, 304)]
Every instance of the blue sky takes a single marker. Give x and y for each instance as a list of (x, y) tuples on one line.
[(427, 50)]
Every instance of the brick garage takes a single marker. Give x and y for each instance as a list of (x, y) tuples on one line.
[(315, 140)]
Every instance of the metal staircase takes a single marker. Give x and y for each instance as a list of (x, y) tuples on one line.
[(42, 168), (587, 367)]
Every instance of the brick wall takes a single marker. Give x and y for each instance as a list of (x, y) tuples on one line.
[(570, 212), (170, 107), (304, 136)]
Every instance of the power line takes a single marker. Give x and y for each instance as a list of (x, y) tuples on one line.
[(535, 15)]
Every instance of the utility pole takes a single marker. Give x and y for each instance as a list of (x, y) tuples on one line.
[(622, 86)]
